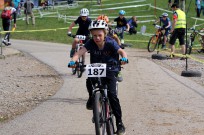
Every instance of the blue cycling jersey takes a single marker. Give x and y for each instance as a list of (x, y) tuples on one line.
[(165, 22), (106, 55)]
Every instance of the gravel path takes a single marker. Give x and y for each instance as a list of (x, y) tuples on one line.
[(154, 100), (24, 83)]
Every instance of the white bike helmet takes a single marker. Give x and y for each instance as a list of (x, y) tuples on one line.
[(98, 24), (84, 12), (165, 14)]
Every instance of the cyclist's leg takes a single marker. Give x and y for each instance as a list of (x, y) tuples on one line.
[(114, 101), (72, 51), (122, 34), (165, 38), (89, 83)]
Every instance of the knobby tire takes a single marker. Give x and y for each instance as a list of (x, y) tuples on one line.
[(153, 43), (80, 67), (99, 114), (109, 122)]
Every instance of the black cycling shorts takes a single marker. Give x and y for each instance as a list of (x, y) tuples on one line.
[(178, 33)]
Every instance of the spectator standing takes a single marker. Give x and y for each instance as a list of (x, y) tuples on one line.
[(202, 7), (169, 3), (178, 29), (6, 22), (176, 2), (133, 25), (28, 5), (198, 7), (16, 6), (182, 5)]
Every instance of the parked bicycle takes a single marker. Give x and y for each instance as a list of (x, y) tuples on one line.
[(195, 40), (79, 69), (103, 116), (156, 40)]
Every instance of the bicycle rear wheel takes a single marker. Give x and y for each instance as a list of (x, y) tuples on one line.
[(80, 67), (153, 42), (99, 114)]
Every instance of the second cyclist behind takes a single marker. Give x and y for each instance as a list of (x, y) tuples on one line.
[(83, 21)]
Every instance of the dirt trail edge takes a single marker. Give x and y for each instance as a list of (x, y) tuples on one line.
[(154, 100)]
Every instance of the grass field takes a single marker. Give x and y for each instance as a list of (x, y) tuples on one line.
[(52, 23)]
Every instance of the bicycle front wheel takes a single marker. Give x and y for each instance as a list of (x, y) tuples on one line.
[(99, 114), (80, 67), (110, 120), (153, 42)]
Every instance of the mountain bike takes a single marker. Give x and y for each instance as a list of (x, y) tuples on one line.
[(156, 40), (103, 116), (196, 39), (79, 69)]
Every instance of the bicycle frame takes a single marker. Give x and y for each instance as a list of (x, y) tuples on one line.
[(156, 40), (80, 62), (100, 89)]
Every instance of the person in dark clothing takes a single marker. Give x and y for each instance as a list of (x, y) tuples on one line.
[(6, 22), (83, 20), (104, 49), (122, 24), (133, 24), (28, 5)]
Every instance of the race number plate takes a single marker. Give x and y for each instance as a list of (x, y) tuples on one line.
[(81, 37), (96, 70)]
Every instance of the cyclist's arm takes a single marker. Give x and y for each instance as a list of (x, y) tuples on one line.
[(122, 53), (169, 25), (70, 27), (128, 27), (79, 54)]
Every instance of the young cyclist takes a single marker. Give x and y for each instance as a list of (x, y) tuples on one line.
[(104, 49), (83, 20), (166, 26), (122, 24), (112, 34)]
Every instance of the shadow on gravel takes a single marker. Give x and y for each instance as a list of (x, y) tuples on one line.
[(71, 101), (201, 93), (44, 76)]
